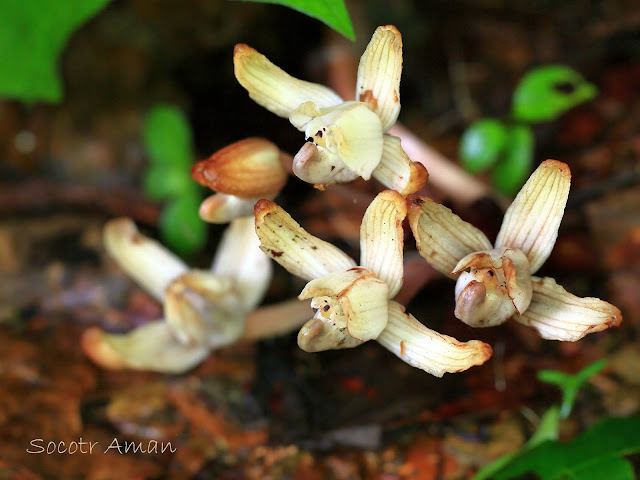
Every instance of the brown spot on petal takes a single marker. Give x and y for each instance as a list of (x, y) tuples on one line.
[(396, 99), (367, 97), (402, 348), (275, 253)]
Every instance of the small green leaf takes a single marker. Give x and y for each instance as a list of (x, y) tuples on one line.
[(570, 384), (547, 430), (165, 182), (167, 137), (593, 451), (547, 92), (331, 12), (481, 144), (33, 34), (181, 227), (513, 169)]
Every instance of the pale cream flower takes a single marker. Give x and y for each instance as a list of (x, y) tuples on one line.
[(241, 173), (353, 303), (495, 282), (345, 139), (204, 309)]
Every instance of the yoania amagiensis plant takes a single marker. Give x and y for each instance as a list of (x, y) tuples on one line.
[(354, 303), (496, 282), (345, 139), (203, 309)]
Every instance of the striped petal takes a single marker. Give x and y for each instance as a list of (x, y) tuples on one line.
[(223, 208), (248, 168), (379, 74), (302, 254), (426, 349), (151, 265), (531, 222), (273, 88), (239, 258), (559, 315), (396, 170), (442, 237), (149, 347), (382, 238)]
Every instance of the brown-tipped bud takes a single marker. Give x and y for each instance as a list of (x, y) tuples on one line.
[(248, 168)]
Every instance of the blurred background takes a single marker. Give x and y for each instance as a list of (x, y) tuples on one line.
[(269, 410)]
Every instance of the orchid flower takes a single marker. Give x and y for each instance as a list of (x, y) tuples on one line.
[(204, 309), (241, 174), (345, 139), (496, 282), (353, 303)]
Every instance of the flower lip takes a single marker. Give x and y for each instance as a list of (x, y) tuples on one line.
[(506, 286)]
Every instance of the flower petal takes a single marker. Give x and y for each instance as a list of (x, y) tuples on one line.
[(442, 237), (430, 351), (149, 347), (248, 168), (531, 222), (223, 208), (397, 171), (320, 334), (559, 315), (302, 254), (382, 238), (333, 283), (365, 304), (379, 74), (149, 263), (204, 309), (350, 131), (273, 88), (320, 167), (495, 286), (239, 258)]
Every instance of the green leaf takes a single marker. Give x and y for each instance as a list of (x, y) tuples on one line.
[(165, 182), (570, 384), (167, 137), (547, 430), (547, 92), (513, 169), (614, 468), (331, 12), (33, 34), (594, 451), (481, 144), (181, 227)]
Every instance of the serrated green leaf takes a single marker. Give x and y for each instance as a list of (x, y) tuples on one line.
[(181, 227), (33, 34), (592, 451), (513, 169), (481, 144), (167, 137), (547, 92), (331, 12)]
